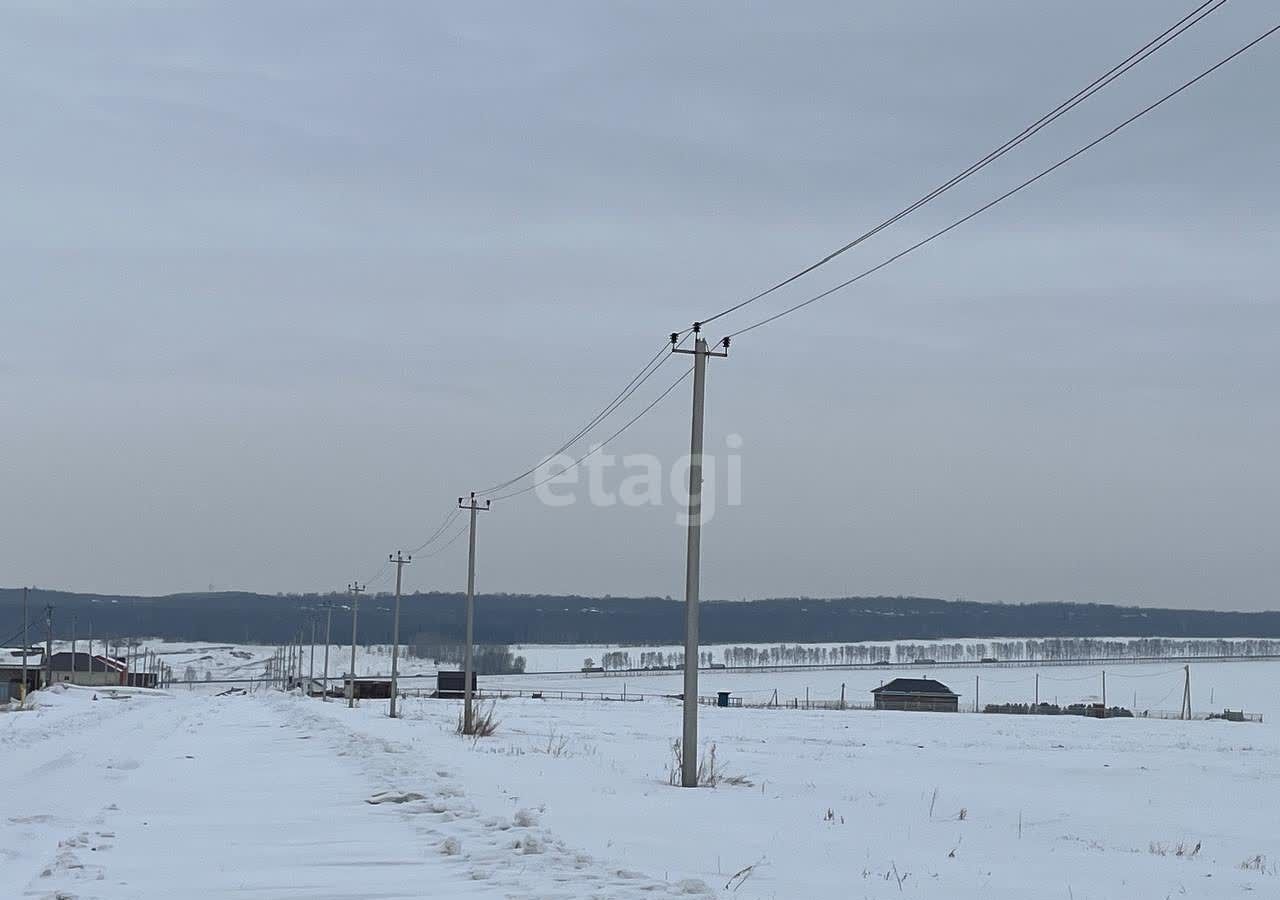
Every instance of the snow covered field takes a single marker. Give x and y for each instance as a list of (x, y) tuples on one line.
[(268, 795), (1216, 686)]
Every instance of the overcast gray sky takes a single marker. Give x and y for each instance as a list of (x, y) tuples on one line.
[(280, 281)]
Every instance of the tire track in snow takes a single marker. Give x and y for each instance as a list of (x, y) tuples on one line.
[(516, 855)]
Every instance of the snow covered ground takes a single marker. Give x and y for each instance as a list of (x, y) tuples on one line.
[(272, 795), (1247, 686)]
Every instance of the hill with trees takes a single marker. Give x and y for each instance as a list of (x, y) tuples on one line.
[(239, 617)]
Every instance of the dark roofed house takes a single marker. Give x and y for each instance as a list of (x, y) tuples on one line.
[(921, 694), (92, 670)]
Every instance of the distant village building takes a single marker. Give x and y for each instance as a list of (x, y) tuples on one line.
[(11, 672), (920, 694), (88, 670)]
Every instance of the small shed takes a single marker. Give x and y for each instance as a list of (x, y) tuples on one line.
[(368, 687), (919, 694), (453, 685), (11, 669)]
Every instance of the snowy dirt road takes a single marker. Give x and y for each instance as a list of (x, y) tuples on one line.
[(256, 797)]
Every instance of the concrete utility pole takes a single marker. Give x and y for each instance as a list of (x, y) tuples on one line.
[(328, 623), (689, 739), (48, 644), (1037, 689), (354, 588), (468, 720), (311, 664), (401, 560), (26, 642), (1104, 693), (73, 649)]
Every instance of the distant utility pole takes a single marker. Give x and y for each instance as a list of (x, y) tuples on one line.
[(401, 560), (1104, 693), (354, 588), (73, 649), (48, 644), (328, 622), (26, 642), (1185, 712), (1037, 689), (975, 692), (689, 740), (311, 664), (468, 719)]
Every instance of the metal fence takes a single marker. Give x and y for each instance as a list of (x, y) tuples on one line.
[(536, 694)]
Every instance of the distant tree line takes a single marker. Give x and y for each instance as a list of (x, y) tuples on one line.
[(233, 617), (1047, 649), (651, 659), (486, 659)]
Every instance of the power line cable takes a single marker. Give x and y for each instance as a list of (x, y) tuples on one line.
[(639, 378), (1137, 57), (448, 520), (597, 448), (655, 362), (449, 543), (631, 388), (379, 575), (1164, 674), (1007, 194)]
